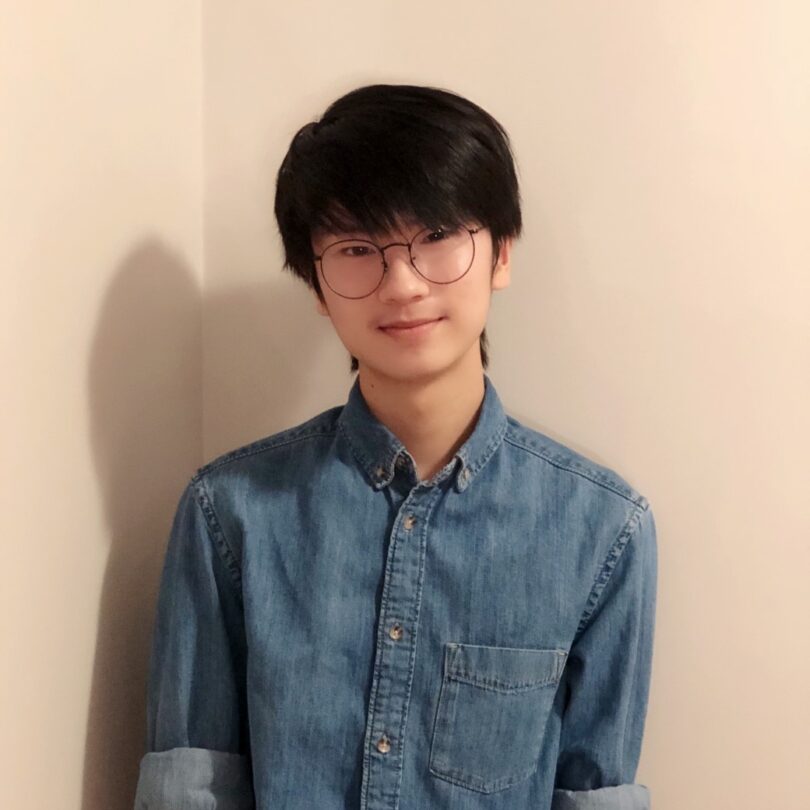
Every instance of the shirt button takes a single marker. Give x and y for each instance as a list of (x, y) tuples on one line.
[(464, 474), (401, 462), (380, 472), (383, 745), (395, 632), (409, 521)]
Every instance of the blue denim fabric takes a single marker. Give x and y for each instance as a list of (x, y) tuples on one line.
[(333, 633)]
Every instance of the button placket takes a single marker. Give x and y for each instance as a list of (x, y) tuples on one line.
[(392, 683)]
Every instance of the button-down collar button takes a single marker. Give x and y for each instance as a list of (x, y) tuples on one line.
[(383, 745), (464, 475), (409, 521), (401, 462), (395, 631), (380, 472)]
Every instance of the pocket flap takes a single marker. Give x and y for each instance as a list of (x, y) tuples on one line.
[(506, 669)]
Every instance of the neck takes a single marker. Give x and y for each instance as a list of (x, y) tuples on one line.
[(431, 416)]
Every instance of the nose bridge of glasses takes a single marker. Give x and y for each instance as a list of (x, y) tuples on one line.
[(383, 248)]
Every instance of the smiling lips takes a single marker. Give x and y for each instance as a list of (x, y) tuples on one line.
[(415, 322), (410, 328)]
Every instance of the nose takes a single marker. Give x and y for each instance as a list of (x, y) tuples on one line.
[(401, 280)]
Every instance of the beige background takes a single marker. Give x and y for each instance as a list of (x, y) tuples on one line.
[(657, 322)]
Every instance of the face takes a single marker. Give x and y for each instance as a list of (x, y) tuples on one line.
[(457, 312)]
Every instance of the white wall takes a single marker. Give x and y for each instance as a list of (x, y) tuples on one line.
[(657, 321), (100, 415)]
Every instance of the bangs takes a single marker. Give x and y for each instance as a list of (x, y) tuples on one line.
[(380, 220), (374, 180)]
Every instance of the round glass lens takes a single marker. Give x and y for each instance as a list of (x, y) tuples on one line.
[(352, 267), (443, 255)]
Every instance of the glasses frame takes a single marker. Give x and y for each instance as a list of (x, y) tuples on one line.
[(383, 248)]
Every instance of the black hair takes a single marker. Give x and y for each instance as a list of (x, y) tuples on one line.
[(388, 151)]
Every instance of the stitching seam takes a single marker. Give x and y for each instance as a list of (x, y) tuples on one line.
[(599, 482), (611, 560), (215, 532)]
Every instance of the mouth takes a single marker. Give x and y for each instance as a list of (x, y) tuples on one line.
[(410, 329)]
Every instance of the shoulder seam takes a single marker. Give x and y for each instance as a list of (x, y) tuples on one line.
[(568, 468), (263, 445)]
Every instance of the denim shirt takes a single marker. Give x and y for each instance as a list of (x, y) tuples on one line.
[(333, 633)]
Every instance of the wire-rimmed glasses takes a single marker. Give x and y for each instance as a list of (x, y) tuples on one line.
[(354, 268)]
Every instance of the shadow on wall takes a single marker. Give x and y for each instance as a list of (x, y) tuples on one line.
[(146, 404)]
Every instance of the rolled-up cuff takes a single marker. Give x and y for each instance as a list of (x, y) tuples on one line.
[(620, 797), (194, 779)]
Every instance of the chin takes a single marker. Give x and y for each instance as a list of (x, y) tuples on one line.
[(399, 366), (411, 369)]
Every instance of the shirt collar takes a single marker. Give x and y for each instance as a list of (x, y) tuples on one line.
[(378, 450)]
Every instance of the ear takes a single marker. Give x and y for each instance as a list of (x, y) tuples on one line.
[(320, 305), (501, 275)]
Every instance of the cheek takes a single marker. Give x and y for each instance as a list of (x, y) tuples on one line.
[(471, 300), (348, 319), (341, 318)]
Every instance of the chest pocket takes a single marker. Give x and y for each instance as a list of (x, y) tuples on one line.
[(491, 715)]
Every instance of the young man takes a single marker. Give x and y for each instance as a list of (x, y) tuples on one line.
[(411, 600)]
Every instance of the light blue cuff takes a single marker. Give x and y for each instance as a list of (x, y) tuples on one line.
[(194, 779), (621, 797)]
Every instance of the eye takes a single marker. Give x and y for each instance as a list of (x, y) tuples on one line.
[(440, 234), (357, 251)]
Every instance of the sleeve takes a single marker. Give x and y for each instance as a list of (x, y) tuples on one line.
[(197, 742), (607, 679)]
